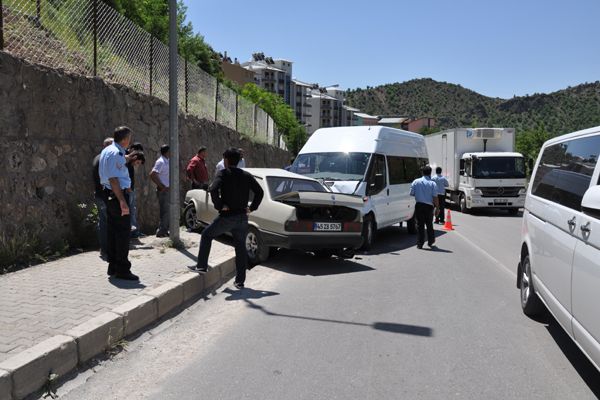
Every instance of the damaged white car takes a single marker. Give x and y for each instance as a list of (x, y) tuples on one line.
[(296, 213)]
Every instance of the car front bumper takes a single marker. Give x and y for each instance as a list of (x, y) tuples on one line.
[(312, 241)]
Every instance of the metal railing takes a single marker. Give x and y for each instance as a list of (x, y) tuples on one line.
[(90, 38)]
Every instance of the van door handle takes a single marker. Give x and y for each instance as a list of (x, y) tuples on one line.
[(388, 192), (571, 223), (586, 228)]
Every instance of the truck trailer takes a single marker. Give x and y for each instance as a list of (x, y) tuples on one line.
[(481, 166)]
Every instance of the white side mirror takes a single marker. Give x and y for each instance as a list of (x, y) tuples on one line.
[(591, 200)]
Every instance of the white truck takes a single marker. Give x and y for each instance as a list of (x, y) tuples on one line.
[(482, 169)]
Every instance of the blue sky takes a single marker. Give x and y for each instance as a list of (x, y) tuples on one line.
[(498, 48)]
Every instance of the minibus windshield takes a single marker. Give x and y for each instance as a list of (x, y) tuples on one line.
[(337, 166)]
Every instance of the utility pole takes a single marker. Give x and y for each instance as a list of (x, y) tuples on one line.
[(173, 128)]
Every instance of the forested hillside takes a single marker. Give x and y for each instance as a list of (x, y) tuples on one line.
[(452, 105)]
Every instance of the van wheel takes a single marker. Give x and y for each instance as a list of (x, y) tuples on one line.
[(530, 302), (189, 217), (462, 203), (411, 225), (513, 211), (368, 232), (255, 247)]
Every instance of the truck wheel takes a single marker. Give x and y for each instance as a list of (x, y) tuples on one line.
[(530, 302), (368, 232), (462, 203), (255, 247), (411, 225), (189, 217)]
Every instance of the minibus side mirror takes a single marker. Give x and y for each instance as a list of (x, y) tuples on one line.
[(590, 204)]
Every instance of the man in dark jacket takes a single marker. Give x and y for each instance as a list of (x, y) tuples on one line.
[(230, 192)]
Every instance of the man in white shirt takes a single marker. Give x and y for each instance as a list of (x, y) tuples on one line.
[(160, 176), (221, 164)]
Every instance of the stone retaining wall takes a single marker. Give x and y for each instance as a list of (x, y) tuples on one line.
[(52, 124)]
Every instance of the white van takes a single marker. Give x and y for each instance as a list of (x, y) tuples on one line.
[(559, 263), (375, 162)]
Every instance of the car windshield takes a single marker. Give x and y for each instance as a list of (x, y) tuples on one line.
[(279, 186), (499, 167), (339, 166)]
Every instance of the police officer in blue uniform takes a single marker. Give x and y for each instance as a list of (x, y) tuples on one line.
[(116, 183)]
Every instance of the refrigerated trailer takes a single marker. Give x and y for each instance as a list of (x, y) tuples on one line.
[(481, 166)]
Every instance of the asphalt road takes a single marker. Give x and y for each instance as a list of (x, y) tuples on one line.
[(400, 323)]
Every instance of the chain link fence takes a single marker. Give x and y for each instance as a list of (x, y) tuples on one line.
[(90, 38)]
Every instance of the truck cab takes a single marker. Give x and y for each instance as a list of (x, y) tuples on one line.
[(491, 179)]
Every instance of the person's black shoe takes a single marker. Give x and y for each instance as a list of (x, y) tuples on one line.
[(431, 244), (111, 270), (419, 246), (238, 285), (127, 277), (198, 269)]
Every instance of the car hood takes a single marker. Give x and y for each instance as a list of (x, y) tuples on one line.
[(321, 199)]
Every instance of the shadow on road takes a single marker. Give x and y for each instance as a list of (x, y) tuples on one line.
[(301, 263), (394, 239), (495, 213), (247, 293), (380, 326), (583, 366)]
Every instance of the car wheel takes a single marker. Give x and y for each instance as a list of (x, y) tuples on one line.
[(530, 302), (513, 211), (368, 232), (255, 247), (189, 217), (411, 225), (462, 203)]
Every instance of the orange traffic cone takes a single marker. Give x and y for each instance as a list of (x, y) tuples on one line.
[(448, 224)]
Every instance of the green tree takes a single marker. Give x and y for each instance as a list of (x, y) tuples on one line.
[(293, 133), (530, 142), (153, 16)]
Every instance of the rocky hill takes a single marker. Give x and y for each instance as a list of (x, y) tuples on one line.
[(452, 105)]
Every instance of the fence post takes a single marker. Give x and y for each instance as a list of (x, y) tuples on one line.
[(151, 60), (38, 13), (95, 22), (267, 132), (217, 101), (1, 26), (237, 107), (255, 122), (185, 74)]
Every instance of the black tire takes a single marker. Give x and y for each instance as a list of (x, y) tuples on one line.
[(368, 232), (411, 226), (189, 218), (462, 204), (513, 211), (255, 247), (530, 302)]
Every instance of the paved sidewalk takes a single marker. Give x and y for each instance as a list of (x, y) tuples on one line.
[(49, 299)]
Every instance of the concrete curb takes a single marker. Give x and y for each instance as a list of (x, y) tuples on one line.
[(28, 372)]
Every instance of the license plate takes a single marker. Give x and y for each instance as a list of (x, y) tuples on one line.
[(500, 201), (327, 227)]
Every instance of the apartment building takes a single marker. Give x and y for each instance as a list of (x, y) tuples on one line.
[(273, 75), (301, 93)]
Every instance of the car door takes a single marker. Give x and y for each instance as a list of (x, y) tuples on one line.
[(551, 226), (401, 203), (378, 190), (586, 260)]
